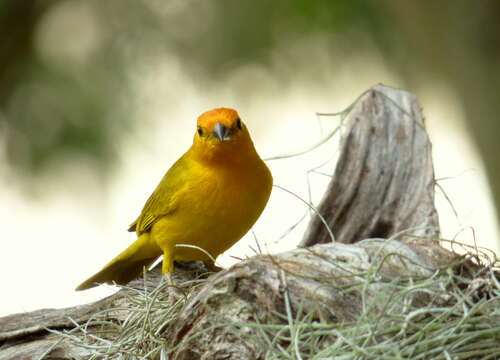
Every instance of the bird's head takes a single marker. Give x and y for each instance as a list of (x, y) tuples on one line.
[(221, 133)]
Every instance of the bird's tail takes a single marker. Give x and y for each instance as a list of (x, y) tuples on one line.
[(126, 266)]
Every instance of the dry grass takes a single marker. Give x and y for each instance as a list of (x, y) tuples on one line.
[(461, 321)]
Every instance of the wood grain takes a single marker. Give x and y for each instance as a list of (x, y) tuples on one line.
[(384, 179)]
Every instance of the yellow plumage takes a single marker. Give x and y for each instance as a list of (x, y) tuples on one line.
[(208, 199)]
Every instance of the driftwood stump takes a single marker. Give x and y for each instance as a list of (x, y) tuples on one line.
[(384, 179), (383, 185)]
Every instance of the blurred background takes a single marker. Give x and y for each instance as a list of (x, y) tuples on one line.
[(99, 98)]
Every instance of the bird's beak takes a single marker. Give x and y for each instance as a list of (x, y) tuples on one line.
[(221, 132)]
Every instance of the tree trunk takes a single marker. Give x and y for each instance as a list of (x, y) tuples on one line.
[(384, 180)]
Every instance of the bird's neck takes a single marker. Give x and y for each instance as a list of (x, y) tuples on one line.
[(236, 154)]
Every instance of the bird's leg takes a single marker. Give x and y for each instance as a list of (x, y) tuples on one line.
[(167, 269), (169, 280), (168, 264)]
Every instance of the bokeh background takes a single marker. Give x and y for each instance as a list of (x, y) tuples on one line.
[(99, 98)]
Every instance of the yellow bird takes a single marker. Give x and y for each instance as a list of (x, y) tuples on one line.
[(208, 199)]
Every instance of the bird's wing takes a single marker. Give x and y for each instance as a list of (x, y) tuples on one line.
[(164, 200)]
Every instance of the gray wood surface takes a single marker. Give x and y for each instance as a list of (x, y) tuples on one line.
[(384, 179)]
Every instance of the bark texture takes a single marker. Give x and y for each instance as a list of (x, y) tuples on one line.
[(254, 291), (383, 184), (27, 336), (384, 179)]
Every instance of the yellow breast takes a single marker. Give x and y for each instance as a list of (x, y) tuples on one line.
[(232, 198)]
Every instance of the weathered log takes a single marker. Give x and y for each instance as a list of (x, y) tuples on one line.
[(253, 291), (218, 322), (27, 335), (384, 179)]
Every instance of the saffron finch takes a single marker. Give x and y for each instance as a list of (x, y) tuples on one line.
[(204, 204)]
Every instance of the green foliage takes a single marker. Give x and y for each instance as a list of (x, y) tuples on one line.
[(79, 104), (64, 105)]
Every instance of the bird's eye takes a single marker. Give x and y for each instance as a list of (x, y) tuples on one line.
[(200, 131), (238, 123)]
